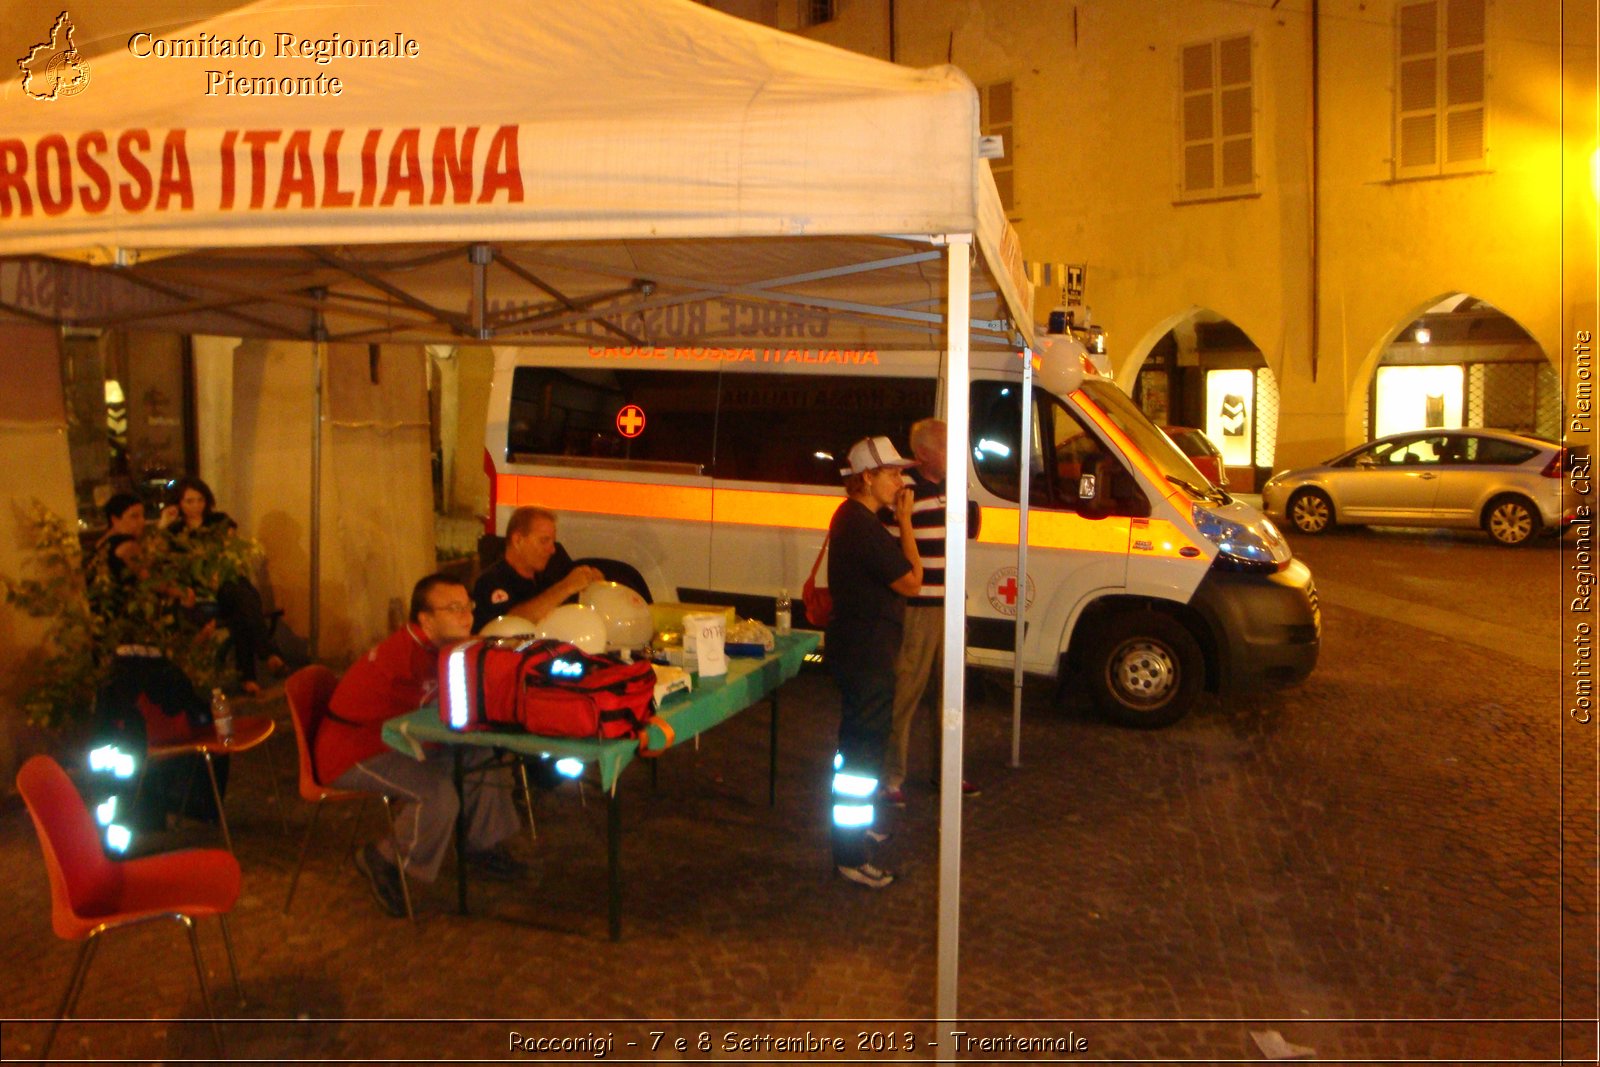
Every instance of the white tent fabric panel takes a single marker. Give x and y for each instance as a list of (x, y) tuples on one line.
[(628, 118)]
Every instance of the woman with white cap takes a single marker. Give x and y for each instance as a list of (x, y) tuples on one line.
[(870, 577)]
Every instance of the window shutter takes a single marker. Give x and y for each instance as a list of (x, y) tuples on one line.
[(1440, 87), (996, 119), (1217, 118)]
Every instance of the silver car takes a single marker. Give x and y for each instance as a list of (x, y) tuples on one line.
[(1511, 485)]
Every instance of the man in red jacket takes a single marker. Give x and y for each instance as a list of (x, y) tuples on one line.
[(398, 676)]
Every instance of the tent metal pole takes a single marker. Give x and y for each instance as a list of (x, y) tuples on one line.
[(958, 258), (1025, 472), (319, 345), (480, 256)]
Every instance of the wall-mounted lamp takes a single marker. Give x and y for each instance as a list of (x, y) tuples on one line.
[(1423, 335)]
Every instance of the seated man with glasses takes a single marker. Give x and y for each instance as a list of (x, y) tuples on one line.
[(398, 676)]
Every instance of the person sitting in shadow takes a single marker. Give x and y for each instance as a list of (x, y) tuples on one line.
[(189, 520)]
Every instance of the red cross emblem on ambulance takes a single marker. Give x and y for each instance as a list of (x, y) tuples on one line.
[(630, 421), (1004, 590)]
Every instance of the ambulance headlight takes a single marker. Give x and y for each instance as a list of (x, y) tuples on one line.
[(1240, 547)]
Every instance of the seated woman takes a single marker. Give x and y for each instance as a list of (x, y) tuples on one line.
[(189, 520)]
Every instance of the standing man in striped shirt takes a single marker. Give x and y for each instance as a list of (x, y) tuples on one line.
[(922, 646)]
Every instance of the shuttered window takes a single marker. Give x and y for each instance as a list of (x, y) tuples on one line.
[(1217, 123), (995, 120), (1439, 87), (815, 12)]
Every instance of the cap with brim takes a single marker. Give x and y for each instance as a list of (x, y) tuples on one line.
[(870, 453)]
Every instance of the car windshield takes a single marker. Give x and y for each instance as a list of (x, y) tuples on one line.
[(1173, 465), (1192, 443)]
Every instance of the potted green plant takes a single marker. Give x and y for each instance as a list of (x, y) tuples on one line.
[(92, 612)]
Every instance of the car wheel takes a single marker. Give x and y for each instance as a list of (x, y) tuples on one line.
[(1145, 670), (1311, 511), (1511, 520)]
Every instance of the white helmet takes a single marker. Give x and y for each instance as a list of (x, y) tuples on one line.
[(508, 626), (576, 625), (626, 614)]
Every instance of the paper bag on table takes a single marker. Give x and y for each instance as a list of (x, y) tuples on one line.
[(703, 638)]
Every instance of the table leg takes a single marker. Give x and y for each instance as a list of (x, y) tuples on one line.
[(613, 866), (461, 830), (772, 754)]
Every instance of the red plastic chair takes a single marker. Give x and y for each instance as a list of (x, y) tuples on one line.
[(91, 893), (308, 691)]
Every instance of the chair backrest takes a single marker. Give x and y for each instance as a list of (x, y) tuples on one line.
[(308, 691), (84, 882), (617, 571)]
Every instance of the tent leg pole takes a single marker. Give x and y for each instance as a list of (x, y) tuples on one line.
[(319, 345), (1025, 470), (958, 260)]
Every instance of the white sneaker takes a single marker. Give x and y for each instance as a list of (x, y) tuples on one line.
[(867, 875)]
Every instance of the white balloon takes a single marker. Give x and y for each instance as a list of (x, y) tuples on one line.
[(508, 626), (576, 625), (627, 616)]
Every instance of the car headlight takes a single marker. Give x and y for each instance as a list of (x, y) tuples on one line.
[(1240, 547)]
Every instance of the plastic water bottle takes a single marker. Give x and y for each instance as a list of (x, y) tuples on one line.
[(784, 615), (221, 714)]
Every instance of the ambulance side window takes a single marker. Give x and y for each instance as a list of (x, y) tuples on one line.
[(1070, 470), (996, 416), (642, 416), (1086, 476), (796, 428)]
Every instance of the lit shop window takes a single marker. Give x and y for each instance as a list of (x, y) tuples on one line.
[(1419, 398), (1230, 407)]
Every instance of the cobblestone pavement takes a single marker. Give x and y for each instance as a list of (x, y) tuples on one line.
[(1369, 864)]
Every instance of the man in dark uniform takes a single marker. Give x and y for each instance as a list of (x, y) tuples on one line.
[(535, 577)]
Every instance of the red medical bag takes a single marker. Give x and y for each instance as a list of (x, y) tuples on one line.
[(545, 687)]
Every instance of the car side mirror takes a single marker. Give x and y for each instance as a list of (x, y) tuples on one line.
[(1086, 486)]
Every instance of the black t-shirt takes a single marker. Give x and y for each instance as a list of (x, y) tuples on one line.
[(115, 564), (863, 560), (501, 588)]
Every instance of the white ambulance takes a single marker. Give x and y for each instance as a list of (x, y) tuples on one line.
[(713, 473)]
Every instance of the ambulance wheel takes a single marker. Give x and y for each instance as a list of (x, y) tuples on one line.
[(1145, 670)]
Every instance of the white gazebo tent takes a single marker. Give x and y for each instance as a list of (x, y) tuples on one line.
[(506, 174)]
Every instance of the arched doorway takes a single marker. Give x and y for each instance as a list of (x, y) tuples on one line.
[(1206, 373), (1463, 362)]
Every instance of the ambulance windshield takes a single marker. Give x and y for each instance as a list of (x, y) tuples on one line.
[(1173, 465)]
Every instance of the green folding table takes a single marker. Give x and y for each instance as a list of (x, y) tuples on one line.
[(748, 682)]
